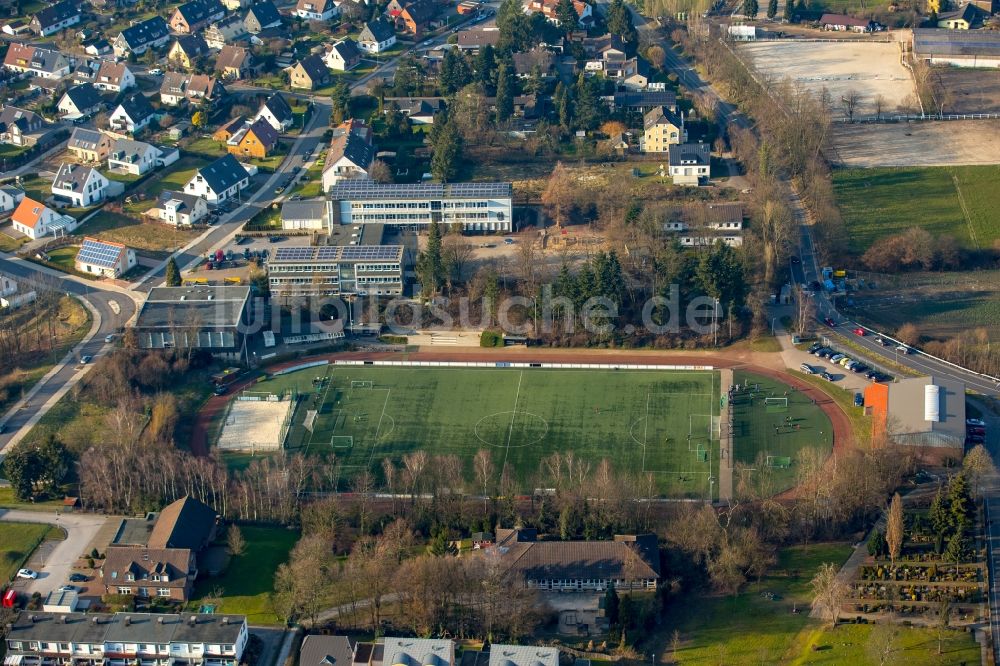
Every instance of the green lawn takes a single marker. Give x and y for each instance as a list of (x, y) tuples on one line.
[(776, 429), (17, 541), (913, 646), (248, 581), (65, 257), (173, 178), (880, 202), (845, 399), (10, 150), (205, 145), (640, 420), (150, 237)]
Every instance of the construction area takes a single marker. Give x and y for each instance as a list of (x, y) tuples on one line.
[(256, 423)]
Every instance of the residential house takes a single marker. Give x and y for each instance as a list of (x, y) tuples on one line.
[(350, 155), (114, 76), (229, 129), (143, 572), (98, 47), (225, 31), (262, 16), (965, 18), (277, 112), (538, 59), (309, 73), (700, 225), (690, 163), (81, 100), (343, 55), (412, 18), (192, 16), (204, 88), (643, 101), (79, 186), (104, 258), (37, 61), (64, 638), (85, 70), (56, 18), (257, 140), (628, 562), (186, 50), (12, 297), (420, 110), (211, 318), (437, 651), (316, 10), (475, 39), (377, 36), (139, 38), (89, 145), (220, 181), (661, 129), (186, 523), (234, 63), (138, 157), (20, 127), (180, 209), (36, 220), (133, 114), (172, 88), (327, 651), (845, 23), (10, 196), (550, 9)]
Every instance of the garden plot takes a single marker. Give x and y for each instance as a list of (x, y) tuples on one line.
[(868, 68)]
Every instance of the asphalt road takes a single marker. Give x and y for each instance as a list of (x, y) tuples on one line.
[(54, 566)]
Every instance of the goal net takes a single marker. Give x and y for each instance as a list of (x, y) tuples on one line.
[(342, 441), (781, 462), (362, 383), (776, 405)]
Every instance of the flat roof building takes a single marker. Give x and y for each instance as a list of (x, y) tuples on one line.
[(214, 318), (959, 48), (919, 411), (472, 206), (355, 263)]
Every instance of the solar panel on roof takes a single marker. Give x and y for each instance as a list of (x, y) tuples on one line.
[(98, 254), (370, 252)]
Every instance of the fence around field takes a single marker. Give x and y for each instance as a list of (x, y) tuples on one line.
[(886, 119), (521, 364)]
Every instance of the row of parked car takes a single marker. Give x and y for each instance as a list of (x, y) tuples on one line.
[(842, 360)]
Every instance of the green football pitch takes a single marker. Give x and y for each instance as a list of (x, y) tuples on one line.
[(653, 421)]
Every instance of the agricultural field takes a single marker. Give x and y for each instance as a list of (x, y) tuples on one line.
[(868, 68), (958, 201), (643, 421)]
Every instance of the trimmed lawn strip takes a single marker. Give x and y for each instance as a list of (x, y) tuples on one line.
[(17, 542)]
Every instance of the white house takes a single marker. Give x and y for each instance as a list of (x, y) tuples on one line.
[(114, 76), (79, 185), (78, 101), (316, 10), (139, 157), (10, 196), (35, 220), (350, 155), (220, 181), (180, 209), (10, 296), (276, 112), (377, 36), (690, 163), (104, 258), (134, 114), (343, 55)]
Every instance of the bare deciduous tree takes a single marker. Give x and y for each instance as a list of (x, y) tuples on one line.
[(828, 592)]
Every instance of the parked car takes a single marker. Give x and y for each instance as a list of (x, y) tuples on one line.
[(859, 368), (77, 577), (27, 573), (859, 400), (844, 361), (836, 358), (808, 369), (882, 341), (871, 375), (68, 588), (860, 331), (830, 322), (828, 377), (110, 337), (813, 348), (156, 71), (850, 364), (220, 390), (85, 359)]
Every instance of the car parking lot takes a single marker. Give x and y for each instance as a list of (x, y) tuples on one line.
[(834, 365)]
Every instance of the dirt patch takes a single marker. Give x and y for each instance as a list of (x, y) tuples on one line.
[(917, 143), (974, 90), (868, 68)]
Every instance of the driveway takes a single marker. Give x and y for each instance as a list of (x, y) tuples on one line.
[(55, 564)]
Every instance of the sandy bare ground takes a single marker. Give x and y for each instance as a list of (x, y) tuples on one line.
[(869, 68), (917, 143)]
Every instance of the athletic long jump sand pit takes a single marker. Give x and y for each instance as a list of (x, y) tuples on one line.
[(869, 68), (917, 143)]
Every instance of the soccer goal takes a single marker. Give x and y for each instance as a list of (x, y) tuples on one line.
[(362, 383), (776, 405), (781, 462), (342, 441), (310, 421)]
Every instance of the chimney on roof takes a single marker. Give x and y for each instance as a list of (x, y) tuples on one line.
[(128, 620), (193, 620)]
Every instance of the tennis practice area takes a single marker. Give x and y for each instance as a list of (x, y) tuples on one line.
[(772, 420), (659, 421)]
